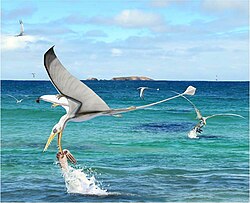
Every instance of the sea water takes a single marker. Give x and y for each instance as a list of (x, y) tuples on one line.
[(143, 156)]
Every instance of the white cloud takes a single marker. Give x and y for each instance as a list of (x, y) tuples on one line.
[(218, 45), (128, 18), (157, 3), (116, 52), (137, 19), (12, 42), (166, 3), (221, 5), (95, 33), (23, 11)]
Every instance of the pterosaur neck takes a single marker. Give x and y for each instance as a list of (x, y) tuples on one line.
[(63, 121)]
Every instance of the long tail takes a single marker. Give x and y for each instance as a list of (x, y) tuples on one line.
[(189, 91)]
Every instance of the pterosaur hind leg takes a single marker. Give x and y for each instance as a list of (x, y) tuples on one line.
[(58, 96), (54, 105)]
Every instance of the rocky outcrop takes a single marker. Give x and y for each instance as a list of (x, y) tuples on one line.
[(91, 79), (132, 78)]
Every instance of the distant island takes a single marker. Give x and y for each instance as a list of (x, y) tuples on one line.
[(132, 78), (126, 78), (91, 79)]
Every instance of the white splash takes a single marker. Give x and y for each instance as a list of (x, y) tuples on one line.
[(76, 181), (193, 134)]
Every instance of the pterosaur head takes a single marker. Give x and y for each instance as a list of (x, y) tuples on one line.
[(57, 129)]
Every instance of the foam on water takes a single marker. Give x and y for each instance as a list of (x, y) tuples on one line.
[(77, 181), (193, 134)]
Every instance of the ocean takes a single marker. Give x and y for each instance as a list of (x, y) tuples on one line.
[(143, 156)]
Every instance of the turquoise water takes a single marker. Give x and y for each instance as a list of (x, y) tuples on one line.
[(143, 156)]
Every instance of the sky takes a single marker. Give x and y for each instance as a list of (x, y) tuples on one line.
[(160, 39)]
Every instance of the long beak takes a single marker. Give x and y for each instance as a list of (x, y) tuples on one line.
[(59, 142), (51, 137)]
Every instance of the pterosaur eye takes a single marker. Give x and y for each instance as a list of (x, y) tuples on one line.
[(54, 130)]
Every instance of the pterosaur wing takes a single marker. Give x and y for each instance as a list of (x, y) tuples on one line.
[(70, 87), (142, 92), (12, 97), (63, 101), (21, 27), (228, 114), (198, 113)]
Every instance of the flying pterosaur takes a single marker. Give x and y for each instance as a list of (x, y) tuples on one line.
[(203, 120), (142, 89), (80, 102), (17, 100), (21, 29)]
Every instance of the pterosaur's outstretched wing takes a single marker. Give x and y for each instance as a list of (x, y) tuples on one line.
[(198, 113), (62, 101), (71, 87), (21, 27), (12, 97), (142, 93), (228, 114)]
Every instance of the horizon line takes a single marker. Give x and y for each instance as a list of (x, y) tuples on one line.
[(169, 80)]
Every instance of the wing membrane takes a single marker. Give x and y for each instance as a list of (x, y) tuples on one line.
[(228, 114), (198, 113), (71, 87)]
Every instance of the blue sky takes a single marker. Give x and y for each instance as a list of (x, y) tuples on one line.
[(161, 39)]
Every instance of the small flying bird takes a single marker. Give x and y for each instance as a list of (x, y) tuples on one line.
[(203, 120), (21, 29), (17, 101), (142, 91), (33, 75), (80, 102)]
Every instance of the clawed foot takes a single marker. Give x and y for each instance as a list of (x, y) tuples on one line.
[(58, 96), (54, 105)]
